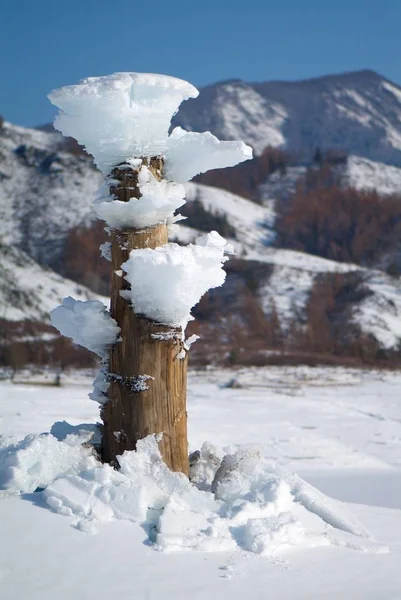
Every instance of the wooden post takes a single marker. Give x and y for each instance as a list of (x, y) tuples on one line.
[(147, 392)]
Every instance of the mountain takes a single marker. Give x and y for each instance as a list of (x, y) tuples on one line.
[(276, 299), (359, 112), (44, 192)]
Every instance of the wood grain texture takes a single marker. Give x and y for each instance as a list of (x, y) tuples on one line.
[(133, 412)]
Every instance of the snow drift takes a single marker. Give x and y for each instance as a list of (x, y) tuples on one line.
[(238, 502)]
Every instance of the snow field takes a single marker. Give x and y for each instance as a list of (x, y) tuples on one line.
[(238, 500), (338, 428)]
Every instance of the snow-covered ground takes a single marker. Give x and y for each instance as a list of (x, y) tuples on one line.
[(338, 429)]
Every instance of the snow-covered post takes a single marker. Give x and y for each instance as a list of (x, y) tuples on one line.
[(123, 121)]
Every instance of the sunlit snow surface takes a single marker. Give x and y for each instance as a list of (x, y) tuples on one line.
[(339, 429)]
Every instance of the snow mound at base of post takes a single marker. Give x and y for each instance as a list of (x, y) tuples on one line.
[(38, 460), (168, 281), (88, 324), (240, 502)]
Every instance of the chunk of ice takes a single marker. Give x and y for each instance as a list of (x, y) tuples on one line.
[(189, 153), (121, 116), (168, 281), (88, 324)]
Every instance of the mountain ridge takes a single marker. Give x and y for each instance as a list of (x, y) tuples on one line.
[(273, 293), (357, 111)]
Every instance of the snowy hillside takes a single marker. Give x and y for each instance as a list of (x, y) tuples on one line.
[(359, 112), (29, 291), (253, 224), (44, 192), (377, 313), (364, 174), (357, 172)]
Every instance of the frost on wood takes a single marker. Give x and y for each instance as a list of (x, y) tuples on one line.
[(168, 281), (105, 250), (101, 386), (88, 324), (121, 116), (123, 120), (158, 201), (136, 384)]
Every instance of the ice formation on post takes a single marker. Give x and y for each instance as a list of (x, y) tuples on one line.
[(88, 324), (123, 120), (190, 153), (158, 201), (125, 116), (120, 116), (174, 278)]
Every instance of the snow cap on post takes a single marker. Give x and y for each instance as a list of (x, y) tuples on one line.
[(121, 116), (125, 116)]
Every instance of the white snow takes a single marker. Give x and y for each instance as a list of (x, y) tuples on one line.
[(396, 91), (125, 116), (253, 506), (168, 281), (105, 250), (253, 223), (88, 324), (158, 201), (190, 153), (101, 385), (39, 204), (30, 291), (39, 459), (338, 429), (250, 505), (364, 174), (121, 116), (379, 313)]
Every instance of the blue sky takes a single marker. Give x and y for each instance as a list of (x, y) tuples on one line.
[(48, 43)]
